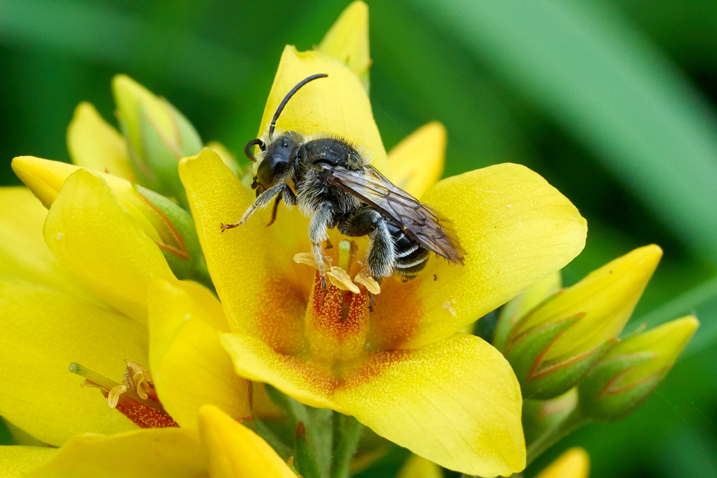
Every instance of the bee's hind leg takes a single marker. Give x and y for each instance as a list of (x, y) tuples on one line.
[(318, 234), (381, 251)]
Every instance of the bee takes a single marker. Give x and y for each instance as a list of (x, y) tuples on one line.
[(334, 185)]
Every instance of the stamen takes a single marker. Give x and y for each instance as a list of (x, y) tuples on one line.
[(341, 279), (107, 385), (365, 279)]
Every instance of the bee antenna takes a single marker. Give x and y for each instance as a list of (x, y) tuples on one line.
[(250, 144), (288, 97)]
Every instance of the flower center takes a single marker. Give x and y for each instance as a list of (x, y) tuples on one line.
[(135, 397), (336, 321)]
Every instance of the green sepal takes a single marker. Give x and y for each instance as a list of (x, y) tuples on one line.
[(305, 461), (599, 401), (541, 380), (195, 266), (162, 153)]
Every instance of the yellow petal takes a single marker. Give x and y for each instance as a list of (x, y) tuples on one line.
[(235, 451), (16, 461), (605, 298), (189, 366), (94, 144), (45, 178), (255, 360), (155, 452), (574, 463), (417, 161), (90, 234), (417, 467), (43, 332), (23, 252), (337, 105), (250, 269), (347, 41), (515, 228), (455, 402), (131, 98)]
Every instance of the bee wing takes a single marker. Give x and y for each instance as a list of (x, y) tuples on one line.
[(419, 222)]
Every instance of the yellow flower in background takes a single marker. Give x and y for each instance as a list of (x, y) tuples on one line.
[(83, 295), (403, 369), (574, 463)]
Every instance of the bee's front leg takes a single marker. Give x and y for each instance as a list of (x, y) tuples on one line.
[(318, 226), (261, 201)]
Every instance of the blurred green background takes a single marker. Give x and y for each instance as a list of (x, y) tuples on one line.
[(613, 102)]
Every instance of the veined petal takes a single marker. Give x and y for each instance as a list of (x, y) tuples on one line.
[(235, 451), (347, 41), (295, 376), (89, 233), (574, 463), (23, 252), (43, 332), (94, 144), (515, 228), (16, 461), (455, 402), (189, 366), (154, 452), (337, 105), (417, 161), (250, 269)]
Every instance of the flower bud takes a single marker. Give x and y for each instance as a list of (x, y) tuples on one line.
[(542, 416), (170, 226), (552, 346), (157, 134), (628, 374), (94, 144)]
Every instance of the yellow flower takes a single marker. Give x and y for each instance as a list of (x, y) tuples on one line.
[(403, 369), (76, 289), (574, 463)]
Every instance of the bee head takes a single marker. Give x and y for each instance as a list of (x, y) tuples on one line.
[(277, 158), (277, 152)]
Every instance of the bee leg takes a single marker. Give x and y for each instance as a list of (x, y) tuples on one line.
[(275, 209), (318, 226), (381, 252), (261, 201)]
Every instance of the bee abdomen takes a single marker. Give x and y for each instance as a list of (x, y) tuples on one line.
[(410, 257)]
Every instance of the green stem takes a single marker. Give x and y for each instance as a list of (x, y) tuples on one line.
[(346, 447), (550, 437)]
